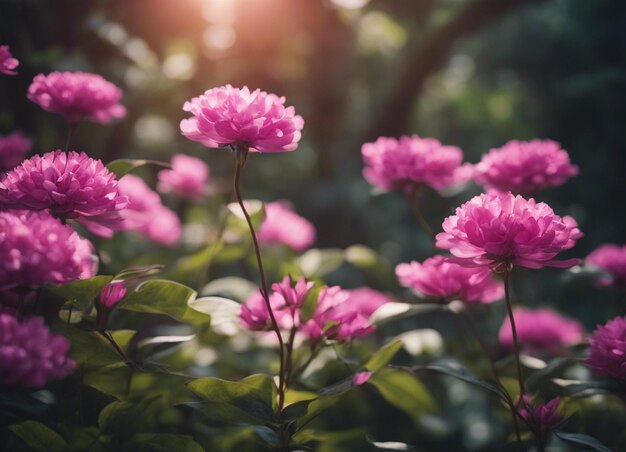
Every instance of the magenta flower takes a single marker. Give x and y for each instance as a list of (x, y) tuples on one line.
[(399, 164), (607, 349), (37, 249), (7, 62), (525, 167), (112, 293), (13, 149), (283, 225), (539, 416), (73, 186), (294, 296), (612, 259), (146, 214), (30, 355), (498, 230), (361, 378), (228, 116), (187, 178), (541, 330), (438, 278), (77, 96)]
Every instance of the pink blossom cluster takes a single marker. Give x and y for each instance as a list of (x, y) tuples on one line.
[(187, 178), (607, 349), (612, 259), (8, 64), (283, 225), (13, 149)]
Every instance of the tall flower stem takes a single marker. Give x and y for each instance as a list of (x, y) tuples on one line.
[(241, 155), (411, 195), (507, 297), (289, 357)]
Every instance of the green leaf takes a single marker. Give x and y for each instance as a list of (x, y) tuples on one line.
[(382, 357), (82, 292), (224, 313), (255, 209), (39, 436), (166, 442), (123, 166), (139, 271), (581, 439), (230, 287), (316, 263)]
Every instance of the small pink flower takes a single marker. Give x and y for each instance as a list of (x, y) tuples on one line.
[(283, 225), (146, 214), (77, 96), (72, 185), (398, 164), (294, 296), (187, 178), (7, 62), (539, 416), (612, 259), (112, 293), (231, 116), (498, 230), (13, 149), (438, 278), (361, 378), (525, 167), (541, 330), (607, 349)]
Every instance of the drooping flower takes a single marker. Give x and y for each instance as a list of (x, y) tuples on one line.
[(187, 178), (13, 149), (525, 167), (612, 259), (112, 293), (438, 278), (30, 355), (72, 185), (283, 225), (541, 330), (540, 416), (77, 96), (37, 249), (146, 214), (232, 116), (498, 230), (393, 164), (7, 62), (607, 349)]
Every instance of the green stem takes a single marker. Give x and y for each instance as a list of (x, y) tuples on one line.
[(413, 201), (509, 308)]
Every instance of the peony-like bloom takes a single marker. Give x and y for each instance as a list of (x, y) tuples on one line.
[(498, 230), (146, 214), (13, 149), (73, 186), (399, 164), (187, 178), (112, 293), (540, 416), (612, 259), (283, 225), (7, 62), (525, 167), (37, 249), (30, 355), (77, 96), (607, 349), (438, 278), (231, 116), (541, 330)]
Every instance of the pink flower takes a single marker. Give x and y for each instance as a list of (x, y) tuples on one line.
[(30, 355), (237, 117), (541, 330), (361, 378), (37, 249), (146, 214), (72, 186), (112, 293), (13, 149), (77, 96), (612, 259), (607, 349), (283, 225), (7, 62), (539, 416), (498, 230), (398, 164), (525, 167), (449, 281), (187, 178)]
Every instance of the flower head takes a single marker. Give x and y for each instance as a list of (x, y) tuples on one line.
[(503, 229), (607, 349), (13, 149), (37, 249), (283, 225), (146, 214), (186, 179), (612, 259), (540, 416), (525, 167), (398, 164), (232, 116), (77, 96), (112, 293), (541, 330), (73, 186), (7, 62), (438, 278)]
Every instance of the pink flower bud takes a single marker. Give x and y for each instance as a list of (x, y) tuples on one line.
[(112, 293)]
